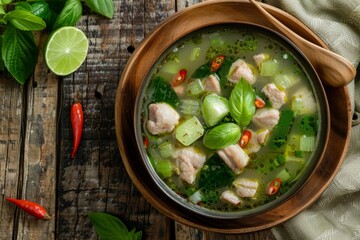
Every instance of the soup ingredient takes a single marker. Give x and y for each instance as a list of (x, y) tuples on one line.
[(273, 187), (190, 106), (189, 131), (189, 160), (266, 118), (307, 144), (259, 103), (195, 88), (110, 227), (214, 108), (179, 77), (215, 174), (261, 135), (31, 208), (163, 92), (281, 131), (245, 138), (235, 157), (230, 197), (246, 187), (259, 58), (212, 84), (239, 100), (276, 97), (269, 68), (162, 118), (241, 70), (216, 63), (66, 50), (77, 123), (222, 136)]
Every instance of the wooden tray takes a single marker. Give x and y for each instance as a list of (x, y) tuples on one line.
[(181, 23)]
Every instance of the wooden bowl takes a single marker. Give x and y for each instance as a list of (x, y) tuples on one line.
[(180, 24)]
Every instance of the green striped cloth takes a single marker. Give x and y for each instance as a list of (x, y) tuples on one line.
[(336, 215)]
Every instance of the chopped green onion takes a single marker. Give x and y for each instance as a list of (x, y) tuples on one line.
[(195, 54)]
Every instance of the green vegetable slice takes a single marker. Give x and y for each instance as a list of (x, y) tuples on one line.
[(214, 108), (241, 103), (163, 92), (222, 136)]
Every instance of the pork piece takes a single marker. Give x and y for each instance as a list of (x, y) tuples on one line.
[(212, 84), (230, 197), (253, 146), (245, 187), (266, 118), (180, 90), (259, 58), (276, 97), (235, 157), (262, 135), (162, 118), (240, 69), (189, 160)]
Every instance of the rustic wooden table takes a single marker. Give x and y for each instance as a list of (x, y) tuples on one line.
[(36, 138)]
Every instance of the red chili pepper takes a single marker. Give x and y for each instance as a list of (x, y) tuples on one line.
[(31, 208), (259, 103), (146, 142), (179, 77), (216, 63), (245, 138), (273, 187), (77, 123)]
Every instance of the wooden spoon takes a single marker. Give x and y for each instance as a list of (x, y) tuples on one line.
[(333, 69)]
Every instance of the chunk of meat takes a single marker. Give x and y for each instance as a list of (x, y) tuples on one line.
[(266, 118), (230, 197), (262, 135), (240, 69), (235, 157), (276, 97), (180, 90), (189, 160), (212, 84), (259, 58), (245, 187), (162, 118), (253, 146)]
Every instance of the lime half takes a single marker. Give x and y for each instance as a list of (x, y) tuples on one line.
[(66, 50)]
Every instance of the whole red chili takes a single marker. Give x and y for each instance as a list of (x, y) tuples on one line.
[(31, 208), (77, 123)]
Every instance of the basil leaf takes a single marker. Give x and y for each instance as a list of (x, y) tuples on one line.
[(103, 7), (224, 70), (69, 15), (23, 6), (222, 136), (241, 103), (56, 5), (109, 227), (42, 10), (202, 71), (163, 92), (24, 20), (215, 174), (19, 52)]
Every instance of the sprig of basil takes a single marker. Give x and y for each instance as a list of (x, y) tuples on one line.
[(222, 136), (24, 20), (103, 7), (241, 103), (19, 52), (43, 10), (109, 227), (69, 15)]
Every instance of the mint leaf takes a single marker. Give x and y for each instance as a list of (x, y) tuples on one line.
[(109, 227), (42, 10), (24, 20), (69, 15), (103, 7), (19, 52), (23, 6)]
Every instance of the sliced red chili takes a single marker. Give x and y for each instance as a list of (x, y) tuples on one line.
[(77, 123), (259, 103), (31, 208), (179, 77), (273, 187), (216, 63), (146, 142), (245, 138)]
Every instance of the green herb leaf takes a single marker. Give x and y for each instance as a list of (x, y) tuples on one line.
[(215, 174), (202, 71), (241, 103), (23, 6), (224, 70), (24, 20), (222, 136), (19, 52), (163, 92), (69, 15), (109, 227), (42, 10), (56, 5), (103, 7)]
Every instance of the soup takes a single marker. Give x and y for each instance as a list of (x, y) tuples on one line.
[(229, 119)]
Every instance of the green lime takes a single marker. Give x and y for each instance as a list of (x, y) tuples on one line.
[(66, 50)]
